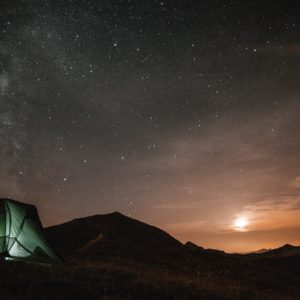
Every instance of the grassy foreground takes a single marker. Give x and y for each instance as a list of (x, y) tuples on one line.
[(124, 280)]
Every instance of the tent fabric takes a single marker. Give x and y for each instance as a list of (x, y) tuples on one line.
[(22, 235)]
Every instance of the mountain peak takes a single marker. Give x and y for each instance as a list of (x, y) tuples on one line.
[(116, 213), (192, 246), (287, 246), (115, 235)]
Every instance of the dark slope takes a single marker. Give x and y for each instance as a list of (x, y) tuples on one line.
[(277, 253), (116, 236), (284, 251), (203, 251)]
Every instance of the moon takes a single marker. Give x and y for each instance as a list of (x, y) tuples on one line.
[(240, 224)]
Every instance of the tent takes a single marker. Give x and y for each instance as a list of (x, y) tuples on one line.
[(22, 236)]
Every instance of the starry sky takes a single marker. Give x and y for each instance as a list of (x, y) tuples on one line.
[(183, 114)]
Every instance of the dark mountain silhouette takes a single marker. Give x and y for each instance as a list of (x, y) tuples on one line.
[(284, 251), (200, 250), (263, 250), (115, 236), (281, 252), (193, 247)]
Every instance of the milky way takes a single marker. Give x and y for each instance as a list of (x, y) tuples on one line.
[(184, 114)]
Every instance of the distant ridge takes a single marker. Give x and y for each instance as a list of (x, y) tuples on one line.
[(283, 251), (193, 247), (115, 236)]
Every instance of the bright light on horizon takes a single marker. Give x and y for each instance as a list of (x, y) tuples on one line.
[(240, 223)]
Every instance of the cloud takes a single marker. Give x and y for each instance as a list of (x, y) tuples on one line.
[(273, 214), (296, 182)]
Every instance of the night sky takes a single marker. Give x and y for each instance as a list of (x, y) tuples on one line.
[(183, 114)]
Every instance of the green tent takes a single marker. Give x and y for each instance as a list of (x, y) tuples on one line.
[(22, 235)]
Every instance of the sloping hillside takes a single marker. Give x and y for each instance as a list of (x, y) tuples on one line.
[(116, 236)]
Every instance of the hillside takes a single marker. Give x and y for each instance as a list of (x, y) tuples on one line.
[(115, 257), (115, 236)]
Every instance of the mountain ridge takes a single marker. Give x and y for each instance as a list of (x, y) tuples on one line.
[(116, 235)]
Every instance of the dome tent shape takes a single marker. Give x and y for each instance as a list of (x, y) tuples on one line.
[(22, 236)]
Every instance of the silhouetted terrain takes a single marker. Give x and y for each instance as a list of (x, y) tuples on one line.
[(116, 236), (115, 257), (284, 251)]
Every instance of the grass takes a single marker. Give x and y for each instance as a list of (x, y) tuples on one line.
[(117, 279)]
